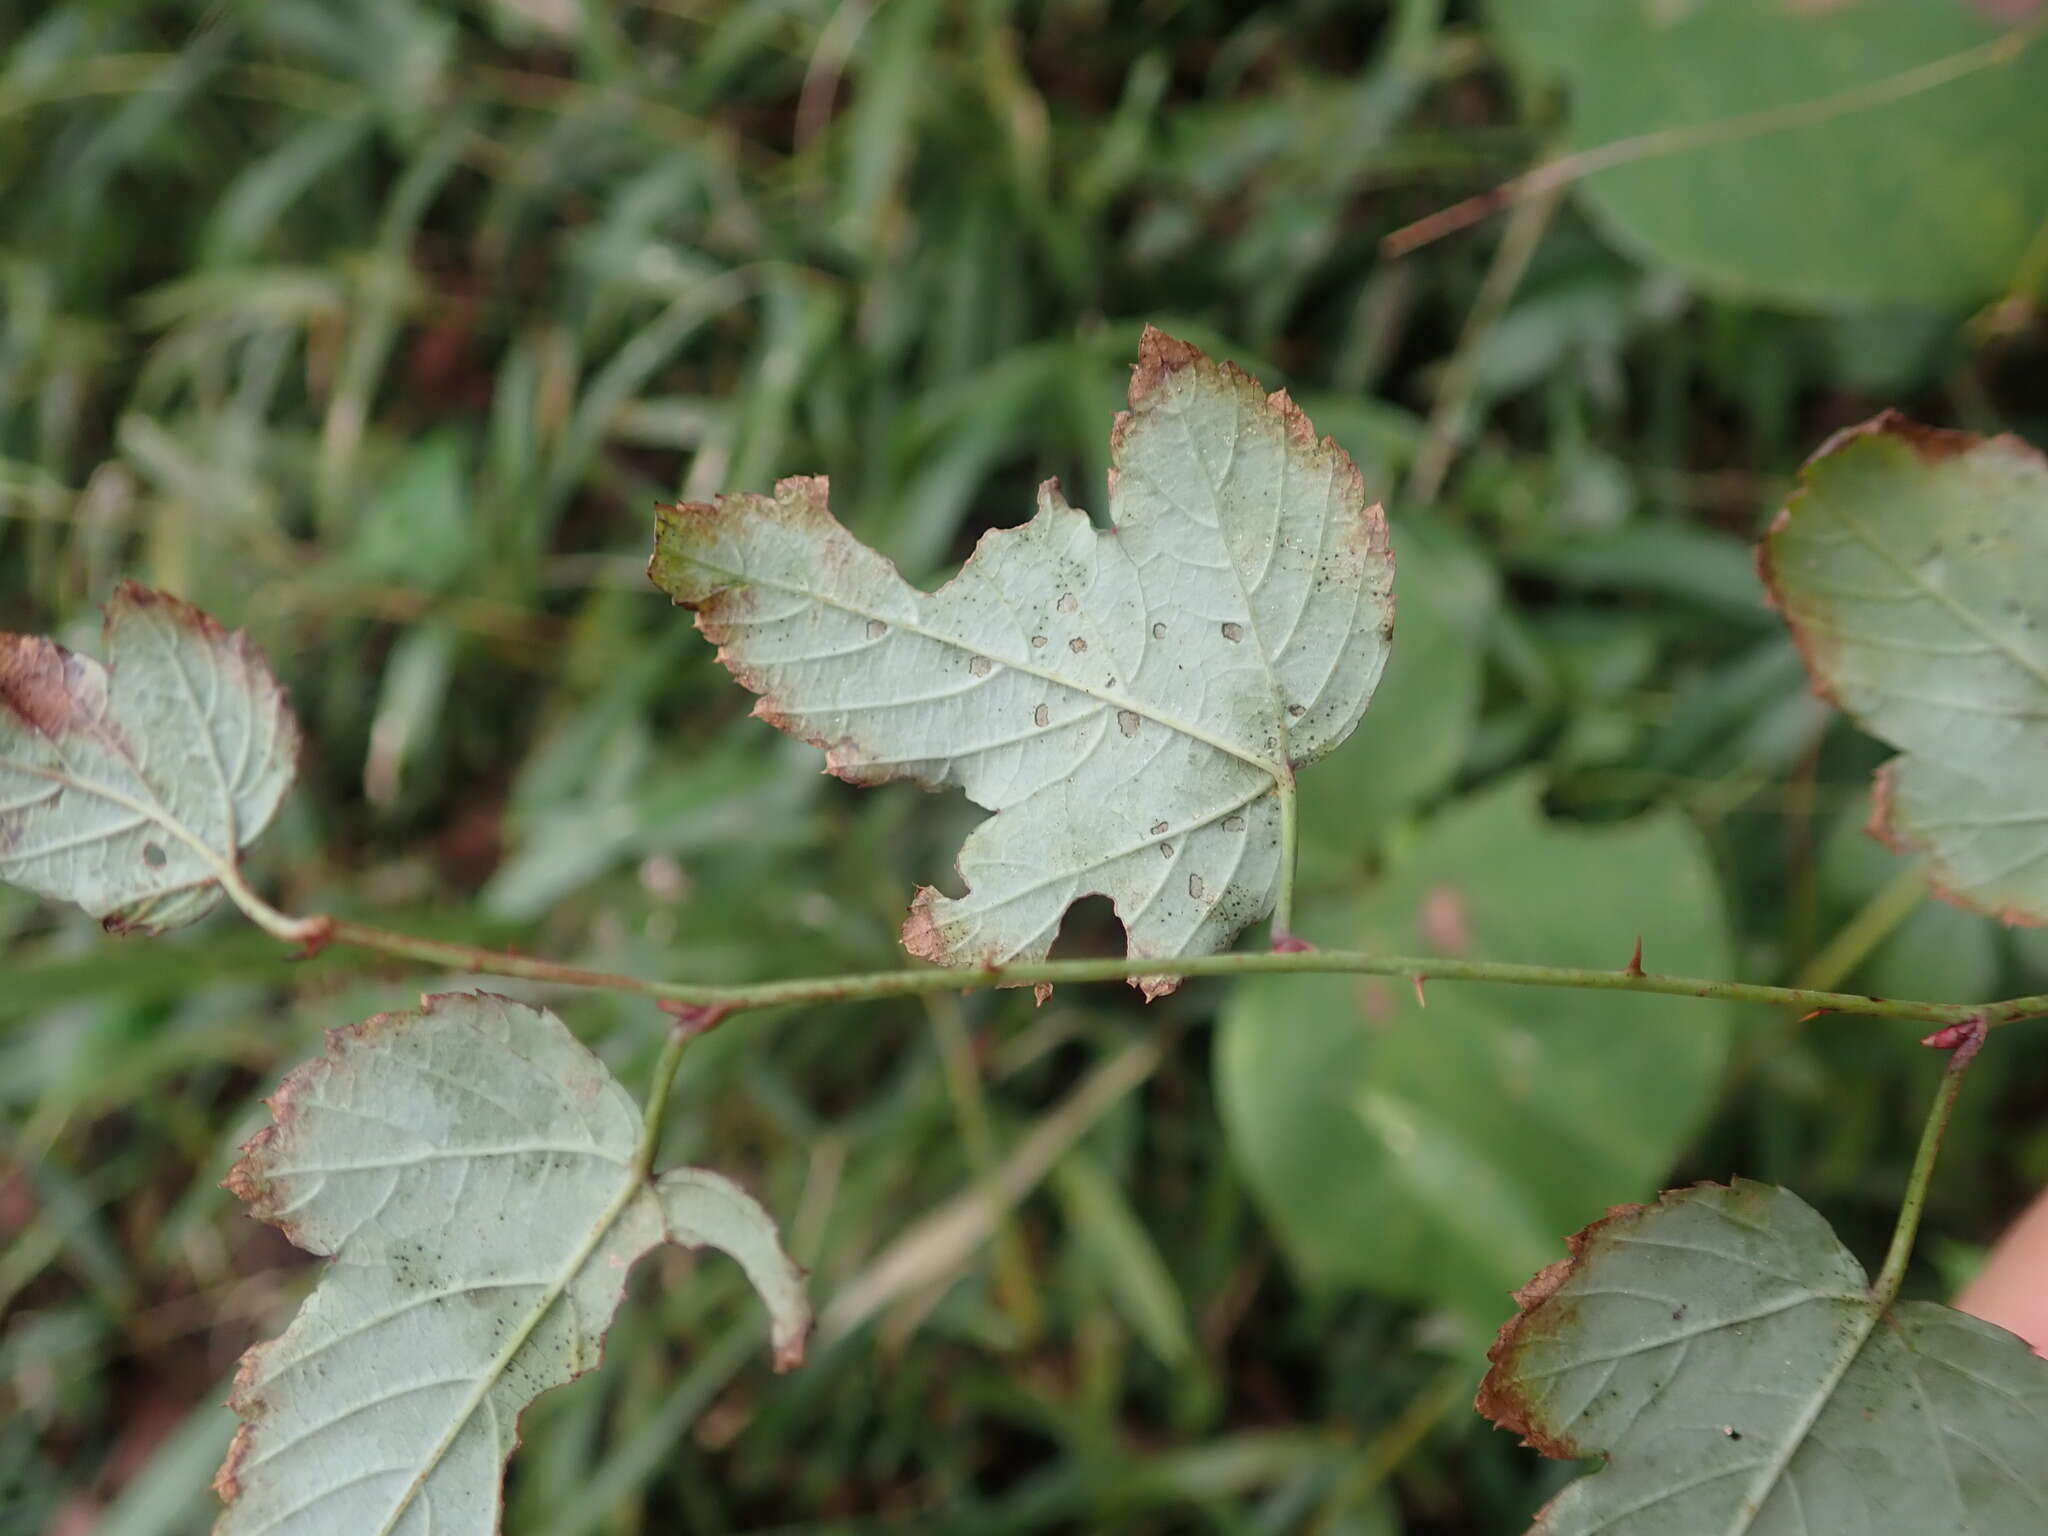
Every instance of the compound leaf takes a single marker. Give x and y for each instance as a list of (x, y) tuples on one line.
[(471, 1169), (1723, 1351), (1132, 704), (132, 788), (1909, 564)]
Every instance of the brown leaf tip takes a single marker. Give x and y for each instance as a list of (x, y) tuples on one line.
[(1932, 444), (38, 683), (1159, 356)]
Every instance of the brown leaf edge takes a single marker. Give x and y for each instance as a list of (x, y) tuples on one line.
[(1882, 826), (41, 685), (1540, 1314), (1932, 446), (248, 1182), (1161, 358)]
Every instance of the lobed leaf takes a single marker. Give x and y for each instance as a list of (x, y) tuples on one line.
[(471, 1170), (1909, 564), (1132, 704), (1722, 1350), (132, 788)]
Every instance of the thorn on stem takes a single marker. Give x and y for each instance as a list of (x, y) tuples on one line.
[(1420, 1000), (694, 1019), (1813, 1013), (1635, 961), (1288, 944), (1040, 993)]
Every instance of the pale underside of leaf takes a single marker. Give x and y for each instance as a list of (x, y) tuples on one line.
[(132, 788), (1722, 1351), (1132, 704), (470, 1168), (1912, 566)]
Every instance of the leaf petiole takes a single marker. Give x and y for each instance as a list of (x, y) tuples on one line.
[(1968, 1040)]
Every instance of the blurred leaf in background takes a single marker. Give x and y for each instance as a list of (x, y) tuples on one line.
[(1431, 1153)]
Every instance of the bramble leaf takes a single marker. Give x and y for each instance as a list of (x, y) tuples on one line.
[(470, 1168), (1909, 564), (1886, 174), (1470, 1132), (1722, 1350), (1132, 704), (131, 788)]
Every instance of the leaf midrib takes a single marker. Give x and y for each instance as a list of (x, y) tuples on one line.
[(1110, 697), (1963, 614), (154, 811), (630, 1190), (1773, 1470)]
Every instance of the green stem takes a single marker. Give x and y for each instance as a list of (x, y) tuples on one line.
[(915, 983), (1961, 1055), (679, 1037), (1290, 839)]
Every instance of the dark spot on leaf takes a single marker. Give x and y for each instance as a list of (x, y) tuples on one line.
[(1233, 632), (154, 856), (1077, 645)]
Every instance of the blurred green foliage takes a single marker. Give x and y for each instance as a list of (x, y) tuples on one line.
[(376, 327)]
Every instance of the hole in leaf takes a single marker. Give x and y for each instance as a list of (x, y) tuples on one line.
[(1089, 928), (154, 856)]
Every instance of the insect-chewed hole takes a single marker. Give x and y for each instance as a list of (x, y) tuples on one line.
[(154, 856)]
